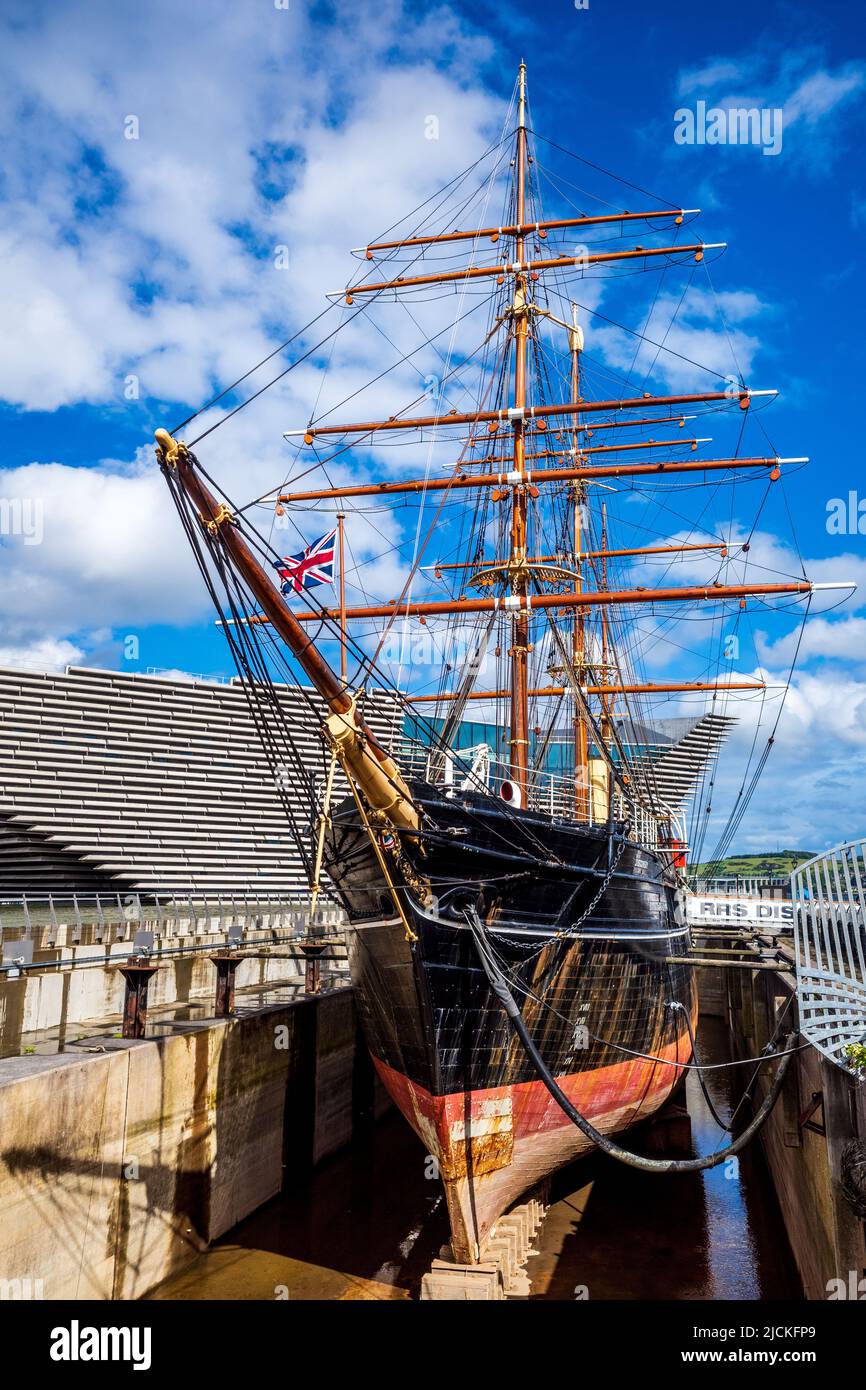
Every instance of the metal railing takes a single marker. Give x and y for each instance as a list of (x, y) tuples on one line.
[(553, 794), (829, 897), (116, 917), (743, 886)]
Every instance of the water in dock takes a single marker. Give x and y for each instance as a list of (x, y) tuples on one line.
[(367, 1224)]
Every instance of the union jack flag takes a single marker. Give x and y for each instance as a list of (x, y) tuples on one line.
[(309, 567)]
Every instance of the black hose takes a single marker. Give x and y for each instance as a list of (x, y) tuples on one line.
[(648, 1165)]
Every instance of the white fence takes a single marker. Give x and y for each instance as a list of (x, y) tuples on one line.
[(110, 917), (829, 897)]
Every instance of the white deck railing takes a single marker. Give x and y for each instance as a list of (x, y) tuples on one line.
[(476, 769)]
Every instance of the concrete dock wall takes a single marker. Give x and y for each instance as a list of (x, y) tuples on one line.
[(117, 1167), (78, 986), (820, 1114)]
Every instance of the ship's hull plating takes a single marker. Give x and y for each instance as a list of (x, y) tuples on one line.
[(593, 999)]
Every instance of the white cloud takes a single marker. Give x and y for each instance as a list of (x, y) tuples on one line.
[(723, 70), (688, 340), (794, 80), (155, 257), (821, 711), (48, 654), (821, 93), (768, 560), (843, 639), (809, 795)]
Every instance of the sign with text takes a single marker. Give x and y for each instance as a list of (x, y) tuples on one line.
[(726, 909)]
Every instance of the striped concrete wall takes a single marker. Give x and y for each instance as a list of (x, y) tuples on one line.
[(111, 780), (673, 774)]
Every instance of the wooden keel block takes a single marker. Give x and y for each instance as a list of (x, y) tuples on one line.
[(518, 1222), (501, 1246), (463, 1283)]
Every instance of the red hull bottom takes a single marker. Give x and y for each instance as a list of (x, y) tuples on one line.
[(491, 1146)]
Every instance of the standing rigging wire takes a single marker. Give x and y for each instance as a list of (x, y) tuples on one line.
[(601, 170), (420, 551), (241, 379), (708, 769), (745, 794), (557, 870), (734, 818), (323, 463), (331, 351), (416, 555), (542, 388), (704, 820), (624, 756), (430, 340), (254, 679), (566, 297), (659, 347), (245, 622), (281, 348)]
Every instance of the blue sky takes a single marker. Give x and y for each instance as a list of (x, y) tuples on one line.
[(138, 276)]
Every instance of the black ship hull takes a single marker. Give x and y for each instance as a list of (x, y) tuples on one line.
[(584, 922)]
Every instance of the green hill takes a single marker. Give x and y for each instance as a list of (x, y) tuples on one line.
[(771, 864)]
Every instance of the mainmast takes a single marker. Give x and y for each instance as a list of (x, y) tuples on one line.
[(517, 434), (581, 755), (606, 699), (519, 650)]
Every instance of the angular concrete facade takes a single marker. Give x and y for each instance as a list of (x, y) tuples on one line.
[(112, 781)]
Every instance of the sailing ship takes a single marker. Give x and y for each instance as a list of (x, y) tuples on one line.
[(552, 846)]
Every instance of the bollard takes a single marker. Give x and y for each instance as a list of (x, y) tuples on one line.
[(313, 952), (226, 963), (136, 972)]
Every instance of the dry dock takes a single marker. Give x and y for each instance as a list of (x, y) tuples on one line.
[(814, 1139), (254, 1156), (121, 1160)]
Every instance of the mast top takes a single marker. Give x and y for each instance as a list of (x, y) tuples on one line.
[(521, 111), (575, 332)]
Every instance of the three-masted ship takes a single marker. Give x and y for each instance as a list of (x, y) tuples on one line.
[(550, 846)]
